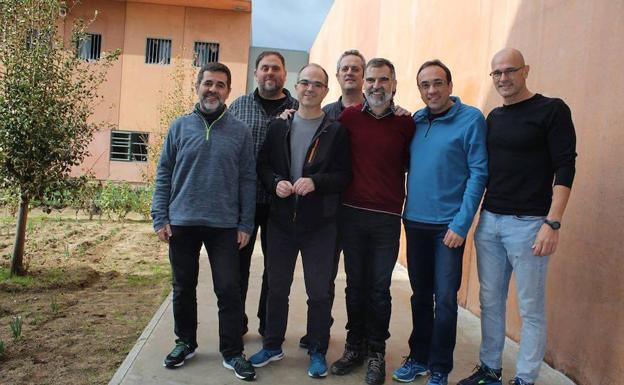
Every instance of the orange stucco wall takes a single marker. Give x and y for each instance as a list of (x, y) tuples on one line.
[(134, 90), (574, 49)]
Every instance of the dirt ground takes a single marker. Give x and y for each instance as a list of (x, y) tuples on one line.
[(92, 288)]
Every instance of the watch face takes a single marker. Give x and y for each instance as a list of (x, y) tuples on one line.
[(554, 224)]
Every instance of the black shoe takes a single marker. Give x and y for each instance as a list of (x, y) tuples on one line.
[(376, 372), (483, 376), (304, 342), (177, 356), (241, 367), (352, 357)]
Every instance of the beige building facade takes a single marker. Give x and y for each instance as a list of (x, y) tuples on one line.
[(574, 49), (153, 36)]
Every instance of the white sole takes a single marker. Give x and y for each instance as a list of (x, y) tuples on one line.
[(181, 363), (265, 363), (227, 366)]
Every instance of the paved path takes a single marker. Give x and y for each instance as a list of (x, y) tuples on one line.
[(143, 366)]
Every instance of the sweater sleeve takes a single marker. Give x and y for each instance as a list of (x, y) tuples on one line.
[(562, 145), (476, 158), (247, 185), (162, 186)]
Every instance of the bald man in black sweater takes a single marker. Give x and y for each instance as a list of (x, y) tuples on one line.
[(532, 150)]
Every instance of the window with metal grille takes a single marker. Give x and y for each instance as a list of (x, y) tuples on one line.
[(206, 53), (129, 146), (89, 47), (158, 51)]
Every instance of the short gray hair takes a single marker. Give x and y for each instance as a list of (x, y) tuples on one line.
[(351, 52), (380, 62)]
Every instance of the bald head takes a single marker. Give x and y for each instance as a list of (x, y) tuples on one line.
[(509, 74), (509, 55)]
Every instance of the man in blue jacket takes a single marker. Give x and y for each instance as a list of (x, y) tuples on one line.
[(205, 194), (447, 176)]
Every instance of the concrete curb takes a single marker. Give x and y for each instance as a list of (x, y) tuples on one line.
[(125, 366)]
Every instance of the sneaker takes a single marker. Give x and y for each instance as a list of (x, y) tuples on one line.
[(483, 376), (376, 372), (241, 367), (264, 356), (519, 381), (304, 342), (438, 378), (176, 358), (318, 365), (351, 358), (409, 370)]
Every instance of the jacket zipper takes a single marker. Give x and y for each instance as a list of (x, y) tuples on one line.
[(310, 153), (209, 127)]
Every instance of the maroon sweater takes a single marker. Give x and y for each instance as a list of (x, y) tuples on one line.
[(380, 156)]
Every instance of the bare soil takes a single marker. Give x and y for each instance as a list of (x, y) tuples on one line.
[(93, 285)]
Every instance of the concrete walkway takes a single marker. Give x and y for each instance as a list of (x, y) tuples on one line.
[(143, 366)]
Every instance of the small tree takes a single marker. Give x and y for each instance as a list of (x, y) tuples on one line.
[(47, 95), (175, 102)]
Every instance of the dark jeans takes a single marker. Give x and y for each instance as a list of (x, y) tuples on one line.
[(221, 245), (262, 217), (370, 242), (318, 249), (435, 273)]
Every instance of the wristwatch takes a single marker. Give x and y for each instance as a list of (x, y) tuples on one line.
[(554, 224)]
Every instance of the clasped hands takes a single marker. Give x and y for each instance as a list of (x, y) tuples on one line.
[(302, 186)]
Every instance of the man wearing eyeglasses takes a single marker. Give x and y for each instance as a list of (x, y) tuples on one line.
[(445, 183), (306, 163), (532, 150), (370, 223)]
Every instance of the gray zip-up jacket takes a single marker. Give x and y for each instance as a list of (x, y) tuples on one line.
[(206, 175)]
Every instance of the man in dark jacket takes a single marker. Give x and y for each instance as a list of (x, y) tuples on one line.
[(305, 161)]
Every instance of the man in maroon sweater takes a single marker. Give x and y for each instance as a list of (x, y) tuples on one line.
[(370, 223)]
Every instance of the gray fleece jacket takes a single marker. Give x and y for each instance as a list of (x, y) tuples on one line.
[(206, 175)]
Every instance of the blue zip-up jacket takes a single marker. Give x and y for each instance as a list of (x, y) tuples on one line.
[(448, 167), (206, 175)]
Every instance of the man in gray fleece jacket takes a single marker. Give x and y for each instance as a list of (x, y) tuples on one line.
[(205, 194)]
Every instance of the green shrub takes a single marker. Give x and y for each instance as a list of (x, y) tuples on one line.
[(16, 327)]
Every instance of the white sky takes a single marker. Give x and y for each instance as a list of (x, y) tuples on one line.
[(287, 24)]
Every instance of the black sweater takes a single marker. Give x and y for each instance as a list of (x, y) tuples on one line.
[(327, 163), (530, 144)]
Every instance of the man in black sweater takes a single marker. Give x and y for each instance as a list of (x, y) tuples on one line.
[(305, 162), (531, 144)]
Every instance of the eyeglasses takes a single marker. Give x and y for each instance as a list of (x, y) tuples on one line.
[(305, 83), (435, 84), (497, 74)]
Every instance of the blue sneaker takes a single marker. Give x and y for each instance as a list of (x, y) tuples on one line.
[(409, 370), (264, 356), (438, 378), (318, 365)]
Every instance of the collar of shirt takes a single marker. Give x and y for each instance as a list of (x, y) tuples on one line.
[(388, 111)]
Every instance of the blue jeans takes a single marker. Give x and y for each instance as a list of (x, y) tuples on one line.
[(370, 242), (435, 270), (503, 244)]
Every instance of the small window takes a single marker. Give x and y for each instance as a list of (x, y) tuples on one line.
[(89, 47), (36, 37), (158, 51), (129, 146), (206, 53)]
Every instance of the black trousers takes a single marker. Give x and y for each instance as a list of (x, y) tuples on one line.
[(222, 247), (318, 248), (370, 242), (262, 217)]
